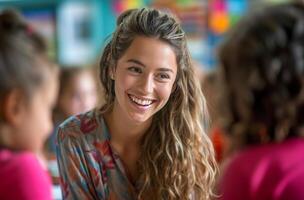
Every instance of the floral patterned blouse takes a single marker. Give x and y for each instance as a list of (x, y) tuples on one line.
[(89, 167)]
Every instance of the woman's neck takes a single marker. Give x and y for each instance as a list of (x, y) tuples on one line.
[(124, 132), (126, 136)]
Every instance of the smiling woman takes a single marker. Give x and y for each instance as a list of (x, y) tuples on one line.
[(144, 77), (146, 142)]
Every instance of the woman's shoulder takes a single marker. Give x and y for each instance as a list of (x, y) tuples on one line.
[(86, 126)]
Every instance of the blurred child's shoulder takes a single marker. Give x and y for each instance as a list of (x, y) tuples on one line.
[(23, 171), (14, 158)]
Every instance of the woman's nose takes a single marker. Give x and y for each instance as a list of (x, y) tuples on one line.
[(147, 84)]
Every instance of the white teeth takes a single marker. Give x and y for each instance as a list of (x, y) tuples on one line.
[(141, 101)]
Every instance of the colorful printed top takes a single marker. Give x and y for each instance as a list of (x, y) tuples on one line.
[(88, 165)]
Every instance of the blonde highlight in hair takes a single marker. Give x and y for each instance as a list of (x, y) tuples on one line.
[(177, 157)]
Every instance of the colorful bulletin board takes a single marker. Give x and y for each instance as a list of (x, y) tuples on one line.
[(43, 20)]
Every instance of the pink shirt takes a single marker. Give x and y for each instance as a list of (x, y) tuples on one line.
[(22, 177), (266, 172)]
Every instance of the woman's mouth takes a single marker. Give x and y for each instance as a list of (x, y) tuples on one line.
[(141, 101)]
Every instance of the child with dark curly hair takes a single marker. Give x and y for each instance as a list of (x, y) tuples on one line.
[(262, 62)]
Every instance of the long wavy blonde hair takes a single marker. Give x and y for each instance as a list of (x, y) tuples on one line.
[(177, 157)]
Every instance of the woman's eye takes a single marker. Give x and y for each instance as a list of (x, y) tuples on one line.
[(163, 77), (135, 69)]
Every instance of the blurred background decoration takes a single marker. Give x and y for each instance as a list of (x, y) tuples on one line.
[(76, 30)]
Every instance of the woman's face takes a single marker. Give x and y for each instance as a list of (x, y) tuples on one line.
[(144, 78)]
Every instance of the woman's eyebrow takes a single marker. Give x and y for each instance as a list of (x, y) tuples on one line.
[(136, 61), (163, 69)]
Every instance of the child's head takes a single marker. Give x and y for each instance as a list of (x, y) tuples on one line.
[(262, 63), (175, 139), (78, 92), (27, 86)]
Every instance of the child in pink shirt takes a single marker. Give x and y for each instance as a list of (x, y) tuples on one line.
[(28, 90), (262, 62)]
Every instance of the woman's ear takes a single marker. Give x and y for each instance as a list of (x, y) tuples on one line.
[(111, 73), (14, 107)]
